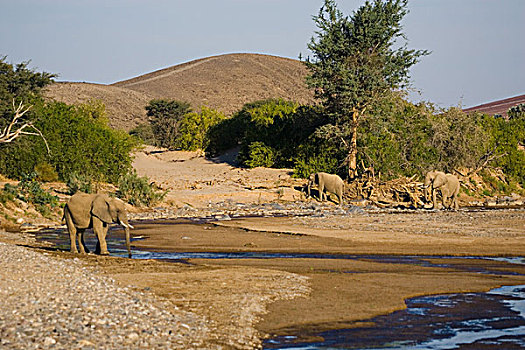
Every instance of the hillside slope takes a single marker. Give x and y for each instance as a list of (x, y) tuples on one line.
[(125, 107), (223, 82), (497, 107), (226, 82)]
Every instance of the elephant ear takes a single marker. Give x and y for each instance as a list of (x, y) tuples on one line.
[(439, 180), (101, 208)]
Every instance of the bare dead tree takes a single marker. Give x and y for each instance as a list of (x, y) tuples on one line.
[(18, 126)]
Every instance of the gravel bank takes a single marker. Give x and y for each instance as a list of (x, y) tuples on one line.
[(53, 303)]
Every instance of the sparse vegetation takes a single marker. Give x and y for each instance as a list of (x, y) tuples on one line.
[(30, 191), (79, 182), (138, 191)]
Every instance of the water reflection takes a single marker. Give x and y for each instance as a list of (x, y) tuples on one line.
[(455, 321)]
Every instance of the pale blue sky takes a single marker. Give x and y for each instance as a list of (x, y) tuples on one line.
[(478, 50)]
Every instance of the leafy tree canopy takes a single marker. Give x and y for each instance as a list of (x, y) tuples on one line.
[(20, 83), (79, 141), (166, 117), (357, 60)]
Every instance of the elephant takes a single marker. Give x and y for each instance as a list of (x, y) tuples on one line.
[(447, 184), (329, 182), (95, 211), (429, 179)]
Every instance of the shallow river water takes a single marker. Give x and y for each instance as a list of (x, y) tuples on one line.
[(493, 320)]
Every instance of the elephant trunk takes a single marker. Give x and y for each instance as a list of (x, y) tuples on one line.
[(128, 239)]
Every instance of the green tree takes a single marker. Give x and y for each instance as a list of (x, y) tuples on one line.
[(166, 117), (194, 126), (78, 143), (357, 60), (20, 87), (20, 83)]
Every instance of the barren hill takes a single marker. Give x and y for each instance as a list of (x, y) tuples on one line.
[(497, 107), (226, 82), (125, 107), (223, 82)]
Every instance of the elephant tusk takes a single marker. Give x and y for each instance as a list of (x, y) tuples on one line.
[(126, 225)]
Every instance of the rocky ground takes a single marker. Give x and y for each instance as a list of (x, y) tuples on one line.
[(48, 302)]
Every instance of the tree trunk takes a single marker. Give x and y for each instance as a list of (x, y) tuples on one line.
[(352, 153)]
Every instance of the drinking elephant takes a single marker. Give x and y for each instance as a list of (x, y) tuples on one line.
[(329, 182), (95, 211), (447, 184)]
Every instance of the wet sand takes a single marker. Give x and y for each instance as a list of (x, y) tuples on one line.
[(342, 292)]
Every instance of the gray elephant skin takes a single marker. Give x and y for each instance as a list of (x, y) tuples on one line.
[(447, 184), (326, 183), (96, 211)]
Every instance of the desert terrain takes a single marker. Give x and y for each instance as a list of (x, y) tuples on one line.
[(214, 206)]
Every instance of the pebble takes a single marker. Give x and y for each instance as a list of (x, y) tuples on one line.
[(53, 303)]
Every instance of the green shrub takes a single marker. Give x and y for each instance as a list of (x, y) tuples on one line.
[(503, 144), (138, 191), (225, 135), (257, 154), (317, 156), (280, 125), (77, 143), (144, 132), (45, 172), (8, 194), (194, 127), (78, 182)]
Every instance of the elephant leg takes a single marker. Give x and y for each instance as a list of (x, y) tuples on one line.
[(72, 231), (434, 199), (81, 244), (453, 202), (101, 229), (73, 239), (322, 195), (445, 196)]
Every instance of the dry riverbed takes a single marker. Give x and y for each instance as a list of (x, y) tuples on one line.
[(53, 298)]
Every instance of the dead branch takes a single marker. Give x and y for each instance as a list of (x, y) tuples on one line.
[(16, 127), (402, 192), (484, 162)]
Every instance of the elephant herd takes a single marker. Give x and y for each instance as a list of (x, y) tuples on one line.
[(447, 184), (98, 211)]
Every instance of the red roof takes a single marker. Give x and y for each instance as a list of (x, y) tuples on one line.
[(497, 107)]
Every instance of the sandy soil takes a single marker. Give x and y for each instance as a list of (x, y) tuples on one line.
[(192, 179)]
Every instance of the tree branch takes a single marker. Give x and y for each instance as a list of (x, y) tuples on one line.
[(13, 130)]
